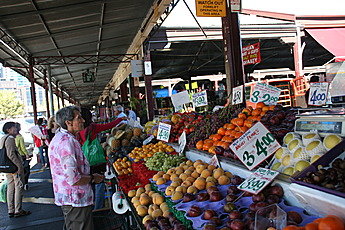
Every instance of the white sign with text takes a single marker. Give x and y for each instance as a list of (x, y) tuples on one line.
[(200, 99), (318, 93), (258, 180), (237, 95), (265, 93), (163, 133)]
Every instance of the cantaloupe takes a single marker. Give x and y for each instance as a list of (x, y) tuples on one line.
[(294, 145), (280, 152), (286, 160), (301, 165), (315, 147), (276, 166), (331, 140), (300, 154), (290, 136), (288, 171), (314, 158), (309, 137)]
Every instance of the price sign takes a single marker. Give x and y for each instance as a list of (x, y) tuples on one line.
[(255, 145), (179, 99), (214, 161), (318, 93), (237, 95), (148, 140), (163, 132), (200, 99), (265, 93), (182, 142), (258, 180)]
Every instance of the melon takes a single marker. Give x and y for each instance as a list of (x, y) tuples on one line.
[(288, 171), (301, 154), (301, 165), (309, 137), (276, 166), (315, 147), (286, 160), (331, 140), (280, 152), (314, 158), (294, 145), (290, 136)]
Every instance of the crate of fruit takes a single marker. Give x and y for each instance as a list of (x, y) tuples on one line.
[(327, 173)]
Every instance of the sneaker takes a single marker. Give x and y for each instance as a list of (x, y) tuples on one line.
[(26, 187), (10, 215), (22, 213)]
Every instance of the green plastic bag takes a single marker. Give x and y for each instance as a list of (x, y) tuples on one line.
[(93, 151), (3, 191)]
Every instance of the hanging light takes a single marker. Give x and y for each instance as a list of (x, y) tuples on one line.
[(88, 76)]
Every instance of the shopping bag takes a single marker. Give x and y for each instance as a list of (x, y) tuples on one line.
[(6, 165), (93, 151), (3, 191)]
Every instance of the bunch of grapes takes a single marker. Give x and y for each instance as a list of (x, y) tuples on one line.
[(163, 162)]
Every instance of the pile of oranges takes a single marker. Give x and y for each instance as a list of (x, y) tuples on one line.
[(329, 222), (233, 130)]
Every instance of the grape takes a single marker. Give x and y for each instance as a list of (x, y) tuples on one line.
[(163, 162)]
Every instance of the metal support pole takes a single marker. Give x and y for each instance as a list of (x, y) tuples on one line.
[(58, 98), (149, 93), (46, 92), (232, 51), (33, 91), (62, 98), (297, 54), (51, 95)]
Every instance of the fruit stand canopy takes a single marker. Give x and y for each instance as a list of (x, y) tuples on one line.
[(70, 27)]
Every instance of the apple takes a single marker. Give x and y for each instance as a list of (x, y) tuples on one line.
[(188, 197), (212, 189), (194, 211), (232, 190), (233, 215), (236, 180), (231, 198), (202, 197), (215, 196), (258, 197), (237, 225), (273, 199), (228, 207), (294, 216), (216, 220), (276, 190), (208, 214), (210, 226)]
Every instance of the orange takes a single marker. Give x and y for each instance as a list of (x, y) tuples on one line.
[(223, 144), (265, 108), (246, 111), (248, 123), (262, 113), (207, 145), (334, 216), (228, 132), (242, 115), (312, 226), (231, 126), (331, 223), (260, 105), (216, 137), (221, 131), (271, 107), (243, 129), (212, 150), (227, 139), (291, 227), (199, 144), (256, 111)]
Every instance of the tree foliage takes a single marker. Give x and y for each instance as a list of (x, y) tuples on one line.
[(10, 106)]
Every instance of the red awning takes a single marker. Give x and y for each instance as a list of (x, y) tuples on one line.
[(333, 39)]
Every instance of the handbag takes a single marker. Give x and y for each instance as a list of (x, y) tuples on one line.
[(93, 151), (6, 165)]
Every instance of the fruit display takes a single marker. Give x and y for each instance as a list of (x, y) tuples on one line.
[(299, 151), (161, 161), (183, 122), (329, 222), (211, 123), (332, 177), (123, 166), (148, 150), (123, 139)]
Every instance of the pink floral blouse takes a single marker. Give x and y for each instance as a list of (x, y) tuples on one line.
[(68, 164)]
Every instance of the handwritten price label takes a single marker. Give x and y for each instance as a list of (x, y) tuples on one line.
[(318, 93), (163, 132), (182, 142), (258, 180), (200, 99), (237, 95), (265, 93), (255, 145), (214, 161)]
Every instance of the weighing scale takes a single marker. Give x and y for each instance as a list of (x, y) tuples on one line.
[(325, 121)]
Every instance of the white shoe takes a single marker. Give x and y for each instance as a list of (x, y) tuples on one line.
[(26, 187)]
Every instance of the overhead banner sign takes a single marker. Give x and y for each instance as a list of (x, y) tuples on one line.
[(137, 67), (211, 8), (251, 54)]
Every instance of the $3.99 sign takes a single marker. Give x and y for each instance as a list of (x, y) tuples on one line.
[(318, 93), (265, 93), (255, 145), (258, 180), (163, 133)]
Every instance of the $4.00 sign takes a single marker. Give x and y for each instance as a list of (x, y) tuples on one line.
[(163, 133), (255, 145), (265, 93), (258, 180), (318, 93)]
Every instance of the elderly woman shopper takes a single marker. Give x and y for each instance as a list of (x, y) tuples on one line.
[(71, 171), (15, 180)]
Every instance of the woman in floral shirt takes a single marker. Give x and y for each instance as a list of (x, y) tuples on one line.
[(71, 171)]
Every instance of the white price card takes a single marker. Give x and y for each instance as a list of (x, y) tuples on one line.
[(258, 180), (200, 99), (255, 145), (237, 95), (265, 93), (318, 93), (182, 142), (179, 99), (148, 140), (163, 132), (214, 161)]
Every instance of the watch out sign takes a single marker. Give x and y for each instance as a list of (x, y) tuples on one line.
[(251, 54)]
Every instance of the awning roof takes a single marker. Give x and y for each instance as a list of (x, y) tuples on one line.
[(332, 39)]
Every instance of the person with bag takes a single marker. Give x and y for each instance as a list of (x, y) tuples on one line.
[(88, 139), (25, 156), (14, 171), (71, 171), (40, 143)]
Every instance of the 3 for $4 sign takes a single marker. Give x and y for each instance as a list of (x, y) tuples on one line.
[(255, 145)]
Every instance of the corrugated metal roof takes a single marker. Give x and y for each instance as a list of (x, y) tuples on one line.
[(73, 27)]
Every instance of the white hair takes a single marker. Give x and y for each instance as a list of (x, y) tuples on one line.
[(119, 108)]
